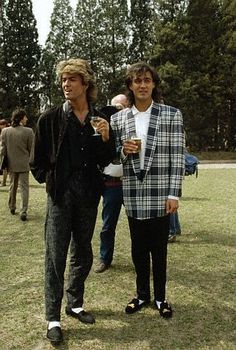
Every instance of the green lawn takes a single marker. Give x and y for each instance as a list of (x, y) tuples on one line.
[(201, 279)]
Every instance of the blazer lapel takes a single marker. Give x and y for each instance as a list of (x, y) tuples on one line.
[(152, 136), (132, 131)]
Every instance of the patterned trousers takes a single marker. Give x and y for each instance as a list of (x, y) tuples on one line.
[(68, 222)]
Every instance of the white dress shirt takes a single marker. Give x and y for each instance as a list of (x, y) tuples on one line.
[(141, 125)]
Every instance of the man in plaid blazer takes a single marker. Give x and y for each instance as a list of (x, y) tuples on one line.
[(152, 179)]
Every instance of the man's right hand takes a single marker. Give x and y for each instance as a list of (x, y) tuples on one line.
[(129, 147)]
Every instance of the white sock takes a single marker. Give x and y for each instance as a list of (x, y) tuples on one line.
[(140, 301), (52, 324), (158, 303), (77, 310)]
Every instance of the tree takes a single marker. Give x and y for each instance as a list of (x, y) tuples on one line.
[(20, 60), (201, 83), (3, 73), (60, 37), (86, 31), (87, 37), (227, 68), (170, 10), (58, 47), (114, 47), (100, 36), (170, 49), (142, 30)]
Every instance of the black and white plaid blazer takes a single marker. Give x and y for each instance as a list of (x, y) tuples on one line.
[(163, 164)]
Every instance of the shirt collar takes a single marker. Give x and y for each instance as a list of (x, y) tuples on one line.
[(136, 111)]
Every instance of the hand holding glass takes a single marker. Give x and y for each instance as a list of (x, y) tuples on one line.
[(138, 142), (94, 122), (132, 145)]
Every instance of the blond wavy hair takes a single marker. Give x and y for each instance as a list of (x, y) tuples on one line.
[(81, 67)]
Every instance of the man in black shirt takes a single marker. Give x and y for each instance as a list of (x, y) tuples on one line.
[(67, 157)]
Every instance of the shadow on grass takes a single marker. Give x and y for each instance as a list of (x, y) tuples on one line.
[(189, 329), (35, 185), (122, 267), (4, 189)]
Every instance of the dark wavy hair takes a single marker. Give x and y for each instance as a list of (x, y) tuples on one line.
[(138, 69), (17, 116)]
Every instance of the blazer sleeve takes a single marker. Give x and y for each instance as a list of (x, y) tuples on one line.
[(3, 149), (177, 146), (116, 120)]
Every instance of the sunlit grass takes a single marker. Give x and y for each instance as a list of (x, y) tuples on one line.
[(201, 279)]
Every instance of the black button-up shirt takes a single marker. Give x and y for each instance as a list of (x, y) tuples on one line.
[(78, 138)]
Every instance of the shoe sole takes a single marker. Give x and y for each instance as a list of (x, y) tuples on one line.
[(55, 342)]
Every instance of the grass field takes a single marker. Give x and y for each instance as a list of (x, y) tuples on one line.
[(201, 279)]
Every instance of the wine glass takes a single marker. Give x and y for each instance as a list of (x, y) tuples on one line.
[(94, 122)]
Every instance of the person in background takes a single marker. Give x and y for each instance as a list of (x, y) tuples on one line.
[(152, 179), (119, 101), (17, 141), (67, 156), (3, 124), (174, 228), (112, 196)]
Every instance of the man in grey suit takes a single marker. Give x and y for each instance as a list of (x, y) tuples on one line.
[(152, 178), (17, 141)]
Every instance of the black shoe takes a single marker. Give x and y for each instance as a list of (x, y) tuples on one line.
[(165, 309), (55, 335), (83, 316), (134, 306), (12, 211), (23, 217)]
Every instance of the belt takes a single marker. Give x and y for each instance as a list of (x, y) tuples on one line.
[(108, 178)]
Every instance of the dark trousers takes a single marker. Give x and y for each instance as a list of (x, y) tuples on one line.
[(69, 221), (149, 240)]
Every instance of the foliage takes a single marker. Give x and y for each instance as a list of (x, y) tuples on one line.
[(227, 43), (192, 44), (142, 30), (221, 156), (58, 47), (114, 36), (20, 72), (194, 70), (87, 33)]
